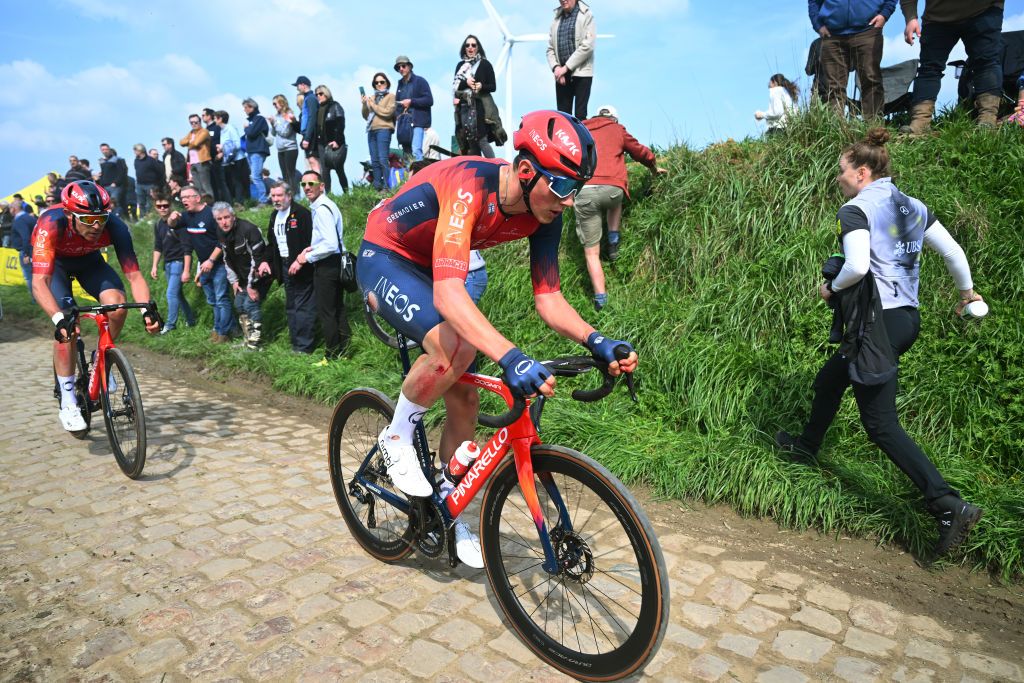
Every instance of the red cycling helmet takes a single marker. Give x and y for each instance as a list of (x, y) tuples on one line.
[(559, 143), (85, 197)]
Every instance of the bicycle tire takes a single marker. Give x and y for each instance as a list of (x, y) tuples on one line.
[(124, 416), (380, 333), (612, 570), (358, 420)]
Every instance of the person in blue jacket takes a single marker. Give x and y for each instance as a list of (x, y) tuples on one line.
[(21, 239), (414, 96), (851, 40), (256, 148)]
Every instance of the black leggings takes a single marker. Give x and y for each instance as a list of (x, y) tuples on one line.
[(877, 406)]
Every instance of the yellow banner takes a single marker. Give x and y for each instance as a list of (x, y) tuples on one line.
[(11, 273), (29, 192)]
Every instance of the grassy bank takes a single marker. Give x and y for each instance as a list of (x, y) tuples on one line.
[(716, 285)]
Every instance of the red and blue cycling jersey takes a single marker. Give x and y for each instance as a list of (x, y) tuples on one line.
[(452, 207), (54, 238)]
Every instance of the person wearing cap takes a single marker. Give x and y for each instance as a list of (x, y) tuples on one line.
[(413, 96), (571, 56), (605, 192), (307, 123)]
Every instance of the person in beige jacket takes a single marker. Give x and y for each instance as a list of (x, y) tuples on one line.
[(571, 56), (379, 112), (198, 142)]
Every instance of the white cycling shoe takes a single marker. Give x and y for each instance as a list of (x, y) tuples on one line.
[(71, 419), (467, 546), (403, 466)]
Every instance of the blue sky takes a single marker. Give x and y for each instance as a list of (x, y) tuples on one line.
[(76, 73)]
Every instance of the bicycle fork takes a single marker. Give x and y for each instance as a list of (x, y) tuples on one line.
[(524, 469)]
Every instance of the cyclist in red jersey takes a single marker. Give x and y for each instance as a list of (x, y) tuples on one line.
[(412, 270), (65, 244)]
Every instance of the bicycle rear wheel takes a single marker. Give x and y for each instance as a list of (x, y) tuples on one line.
[(380, 528), (123, 415), (603, 614)]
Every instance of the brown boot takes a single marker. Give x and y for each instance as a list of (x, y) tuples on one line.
[(920, 118), (987, 105)]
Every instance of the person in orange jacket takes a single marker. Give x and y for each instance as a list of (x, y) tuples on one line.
[(604, 193)]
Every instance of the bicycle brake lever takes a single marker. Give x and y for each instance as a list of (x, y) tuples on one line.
[(632, 389)]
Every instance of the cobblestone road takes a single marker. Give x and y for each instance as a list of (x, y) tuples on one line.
[(229, 561)]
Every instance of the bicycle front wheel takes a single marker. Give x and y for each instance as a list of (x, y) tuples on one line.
[(379, 527), (602, 615), (123, 415)]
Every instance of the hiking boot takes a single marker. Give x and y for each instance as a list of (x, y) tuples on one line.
[(255, 334), (920, 118), (613, 251), (955, 518), (219, 338), (214, 337), (987, 106), (243, 322), (403, 466), (794, 449)]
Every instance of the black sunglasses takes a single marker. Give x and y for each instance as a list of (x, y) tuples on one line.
[(380, 82), (470, 45), (162, 206)]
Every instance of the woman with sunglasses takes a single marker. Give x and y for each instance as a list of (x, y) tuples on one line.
[(473, 84), (379, 112), (412, 271), (330, 138)]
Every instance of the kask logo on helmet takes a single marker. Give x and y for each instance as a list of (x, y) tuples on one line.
[(564, 138)]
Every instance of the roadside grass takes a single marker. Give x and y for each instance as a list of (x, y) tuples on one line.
[(716, 285)]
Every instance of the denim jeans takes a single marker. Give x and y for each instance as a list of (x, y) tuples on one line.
[(176, 297), (246, 306), (982, 36), (257, 190), (380, 144), (417, 143), (143, 198), (218, 295), (476, 283)]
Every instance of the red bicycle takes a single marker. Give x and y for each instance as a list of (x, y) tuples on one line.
[(569, 554), (108, 382)]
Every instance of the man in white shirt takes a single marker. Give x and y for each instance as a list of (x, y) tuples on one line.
[(324, 252)]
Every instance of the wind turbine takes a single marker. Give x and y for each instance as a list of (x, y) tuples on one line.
[(505, 61)]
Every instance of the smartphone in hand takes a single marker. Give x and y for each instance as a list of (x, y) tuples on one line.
[(362, 91)]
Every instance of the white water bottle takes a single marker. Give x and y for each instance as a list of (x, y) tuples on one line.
[(461, 460), (975, 309)]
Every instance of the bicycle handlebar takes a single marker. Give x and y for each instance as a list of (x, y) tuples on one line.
[(107, 308), (568, 366)]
